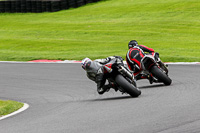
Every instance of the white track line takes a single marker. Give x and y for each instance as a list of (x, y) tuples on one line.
[(183, 63), (73, 61), (26, 106)]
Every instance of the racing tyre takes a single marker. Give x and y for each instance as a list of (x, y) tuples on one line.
[(129, 88), (160, 75)]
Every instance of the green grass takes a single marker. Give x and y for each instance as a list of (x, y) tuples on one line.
[(7, 107), (98, 30)]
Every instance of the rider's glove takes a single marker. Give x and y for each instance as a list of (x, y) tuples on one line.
[(156, 56)]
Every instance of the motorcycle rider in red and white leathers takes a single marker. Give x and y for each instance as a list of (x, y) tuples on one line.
[(134, 56), (95, 71)]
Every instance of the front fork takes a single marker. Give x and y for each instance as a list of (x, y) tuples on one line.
[(163, 66)]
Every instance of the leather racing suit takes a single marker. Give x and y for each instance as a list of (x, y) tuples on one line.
[(134, 57), (95, 72)]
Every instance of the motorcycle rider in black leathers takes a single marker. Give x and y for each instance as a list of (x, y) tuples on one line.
[(95, 71), (134, 56)]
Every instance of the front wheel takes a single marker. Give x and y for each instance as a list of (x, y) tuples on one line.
[(128, 87), (161, 76)]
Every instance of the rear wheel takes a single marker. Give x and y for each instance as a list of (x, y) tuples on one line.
[(128, 87), (161, 76)]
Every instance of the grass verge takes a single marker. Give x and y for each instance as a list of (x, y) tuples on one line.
[(7, 107), (102, 29)]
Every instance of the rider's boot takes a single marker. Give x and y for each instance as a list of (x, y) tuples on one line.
[(104, 89)]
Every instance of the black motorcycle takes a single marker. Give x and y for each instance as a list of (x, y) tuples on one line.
[(122, 78)]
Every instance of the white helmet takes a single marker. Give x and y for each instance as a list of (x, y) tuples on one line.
[(86, 62)]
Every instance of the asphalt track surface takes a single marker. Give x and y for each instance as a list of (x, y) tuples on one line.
[(63, 100)]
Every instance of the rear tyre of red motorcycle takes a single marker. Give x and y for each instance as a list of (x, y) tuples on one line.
[(161, 76), (128, 87)]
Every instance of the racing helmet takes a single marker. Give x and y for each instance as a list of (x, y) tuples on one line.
[(86, 62), (132, 43)]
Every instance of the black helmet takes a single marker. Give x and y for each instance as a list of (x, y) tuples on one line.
[(132, 43)]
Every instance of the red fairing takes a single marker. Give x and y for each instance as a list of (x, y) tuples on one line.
[(109, 65), (107, 68)]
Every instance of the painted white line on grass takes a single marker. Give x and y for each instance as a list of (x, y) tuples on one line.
[(26, 106)]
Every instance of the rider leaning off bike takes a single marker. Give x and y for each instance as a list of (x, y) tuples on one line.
[(134, 56), (95, 71)]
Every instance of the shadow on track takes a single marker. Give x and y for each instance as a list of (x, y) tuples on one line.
[(151, 86), (113, 98)]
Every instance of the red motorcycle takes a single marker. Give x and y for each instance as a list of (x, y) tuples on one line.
[(156, 69)]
